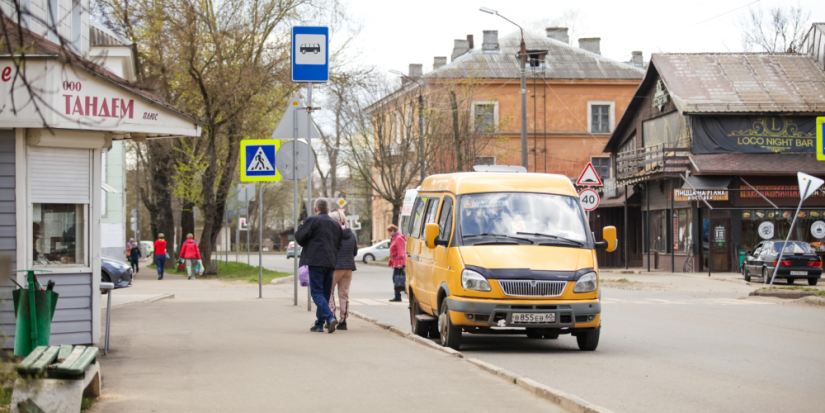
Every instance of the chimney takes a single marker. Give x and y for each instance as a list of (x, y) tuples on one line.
[(439, 61), (637, 59), (459, 48), (591, 44), (490, 44), (558, 33), (470, 41), (416, 70)]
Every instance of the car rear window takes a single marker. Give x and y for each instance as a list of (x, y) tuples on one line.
[(794, 247)]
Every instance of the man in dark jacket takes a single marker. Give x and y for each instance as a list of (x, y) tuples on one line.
[(320, 237)]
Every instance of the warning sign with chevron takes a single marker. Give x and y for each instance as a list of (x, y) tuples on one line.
[(258, 160)]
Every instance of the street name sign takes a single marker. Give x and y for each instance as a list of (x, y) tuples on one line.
[(590, 199), (258, 160), (310, 54), (589, 177)]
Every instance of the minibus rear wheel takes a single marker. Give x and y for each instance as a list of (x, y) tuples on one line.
[(450, 334), (588, 340), (418, 327)]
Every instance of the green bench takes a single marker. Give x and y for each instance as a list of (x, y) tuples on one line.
[(56, 378)]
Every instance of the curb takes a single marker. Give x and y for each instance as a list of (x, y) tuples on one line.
[(820, 301), (158, 298), (563, 399), (790, 294), (284, 280)]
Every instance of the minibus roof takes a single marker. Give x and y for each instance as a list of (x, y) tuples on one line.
[(480, 182)]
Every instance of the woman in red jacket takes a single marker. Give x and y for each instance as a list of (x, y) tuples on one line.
[(190, 254), (398, 260), (160, 254)]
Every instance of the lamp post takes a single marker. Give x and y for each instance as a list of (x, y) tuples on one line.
[(523, 73), (422, 172)]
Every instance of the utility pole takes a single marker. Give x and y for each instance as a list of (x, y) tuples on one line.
[(523, 73)]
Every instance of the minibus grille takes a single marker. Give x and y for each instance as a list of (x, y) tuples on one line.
[(528, 288)]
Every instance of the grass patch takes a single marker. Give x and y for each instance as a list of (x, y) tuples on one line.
[(5, 398), (236, 271), (816, 290), (86, 404)]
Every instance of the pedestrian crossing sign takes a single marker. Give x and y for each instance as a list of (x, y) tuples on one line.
[(258, 160)]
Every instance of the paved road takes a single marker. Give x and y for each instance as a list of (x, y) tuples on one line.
[(676, 344)]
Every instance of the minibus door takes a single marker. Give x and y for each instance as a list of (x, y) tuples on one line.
[(425, 258), (441, 272)]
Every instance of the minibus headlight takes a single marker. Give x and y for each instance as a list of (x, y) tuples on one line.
[(472, 280), (587, 283)]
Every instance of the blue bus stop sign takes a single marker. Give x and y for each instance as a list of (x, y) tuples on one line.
[(310, 54)]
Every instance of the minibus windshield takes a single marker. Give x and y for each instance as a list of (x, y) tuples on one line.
[(554, 218)]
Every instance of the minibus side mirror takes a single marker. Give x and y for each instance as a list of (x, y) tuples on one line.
[(610, 241), (431, 232)]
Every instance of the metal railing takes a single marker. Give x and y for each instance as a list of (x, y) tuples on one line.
[(669, 157), (814, 43)]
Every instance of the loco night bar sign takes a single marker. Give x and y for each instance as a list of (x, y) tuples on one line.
[(754, 134)]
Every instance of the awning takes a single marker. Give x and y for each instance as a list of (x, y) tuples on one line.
[(757, 164), (707, 182), (108, 188), (617, 201)]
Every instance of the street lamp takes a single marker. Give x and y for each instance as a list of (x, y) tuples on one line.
[(422, 173), (523, 72)]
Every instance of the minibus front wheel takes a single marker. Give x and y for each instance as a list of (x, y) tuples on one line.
[(450, 334), (588, 340)]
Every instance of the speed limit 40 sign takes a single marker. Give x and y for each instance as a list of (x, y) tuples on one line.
[(590, 199)]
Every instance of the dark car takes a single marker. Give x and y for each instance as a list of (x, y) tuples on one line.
[(799, 261), (115, 271)]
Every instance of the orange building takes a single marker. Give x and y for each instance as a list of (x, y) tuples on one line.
[(574, 98)]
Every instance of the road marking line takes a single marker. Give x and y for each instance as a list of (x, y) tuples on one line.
[(666, 301), (369, 302)]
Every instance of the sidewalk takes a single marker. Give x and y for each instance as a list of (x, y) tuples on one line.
[(217, 348)]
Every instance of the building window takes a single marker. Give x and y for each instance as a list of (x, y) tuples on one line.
[(77, 13), (600, 116), (485, 116), (682, 224), (485, 160), (602, 167), (53, 12), (59, 234), (536, 60)]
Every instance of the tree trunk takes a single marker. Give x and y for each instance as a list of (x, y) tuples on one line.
[(396, 213), (160, 209), (187, 221)]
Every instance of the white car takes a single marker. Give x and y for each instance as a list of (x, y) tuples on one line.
[(374, 252)]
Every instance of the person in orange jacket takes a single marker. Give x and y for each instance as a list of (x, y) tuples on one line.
[(190, 254)]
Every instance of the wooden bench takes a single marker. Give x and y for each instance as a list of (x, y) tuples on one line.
[(55, 379)]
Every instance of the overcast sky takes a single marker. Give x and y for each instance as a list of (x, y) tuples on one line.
[(397, 33)]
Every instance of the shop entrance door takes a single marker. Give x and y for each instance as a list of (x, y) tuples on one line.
[(720, 241)]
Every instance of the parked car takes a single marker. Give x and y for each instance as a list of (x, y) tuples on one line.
[(374, 252), (799, 261), (115, 271), (290, 250), (147, 248)]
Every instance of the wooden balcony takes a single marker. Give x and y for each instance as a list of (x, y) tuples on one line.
[(655, 160)]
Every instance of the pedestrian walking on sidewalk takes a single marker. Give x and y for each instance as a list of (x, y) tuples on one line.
[(190, 254), (398, 261), (321, 237), (344, 266), (134, 257), (160, 254)]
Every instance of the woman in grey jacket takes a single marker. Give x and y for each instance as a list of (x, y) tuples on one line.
[(344, 266)]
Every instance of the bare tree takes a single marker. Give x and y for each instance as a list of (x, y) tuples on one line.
[(780, 30)]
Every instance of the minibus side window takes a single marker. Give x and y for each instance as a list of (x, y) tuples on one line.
[(445, 221), (432, 210), (418, 214)]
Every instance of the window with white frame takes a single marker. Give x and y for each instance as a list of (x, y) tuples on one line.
[(600, 116), (485, 117), (602, 166), (59, 234), (77, 38)]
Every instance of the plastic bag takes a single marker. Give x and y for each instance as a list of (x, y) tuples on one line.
[(303, 275), (199, 268)]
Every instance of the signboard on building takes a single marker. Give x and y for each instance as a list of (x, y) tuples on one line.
[(818, 229), (700, 194), (766, 230), (754, 134), (776, 191)]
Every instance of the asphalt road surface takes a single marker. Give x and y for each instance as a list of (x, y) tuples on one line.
[(662, 348)]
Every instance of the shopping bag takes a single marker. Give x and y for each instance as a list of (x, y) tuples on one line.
[(199, 268), (303, 275)]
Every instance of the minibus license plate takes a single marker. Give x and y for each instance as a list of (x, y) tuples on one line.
[(534, 318), (799, 272)]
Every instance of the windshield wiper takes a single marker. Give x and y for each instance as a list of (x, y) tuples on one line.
[(551, 236), (498, 235)]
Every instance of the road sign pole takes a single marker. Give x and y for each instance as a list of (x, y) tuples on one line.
[(309, 176), (788, 238), (295, 204), (248, 230), (237, 238), (260, 240)]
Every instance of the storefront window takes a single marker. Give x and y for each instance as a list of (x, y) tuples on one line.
[(658, 231), (59, 234), (683, 222), (781, 223)]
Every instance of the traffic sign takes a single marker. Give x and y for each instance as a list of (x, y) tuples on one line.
[(590, 199), (242, 223), (284, 162), (807, 184), (310, 54), (589, 177), (820, 138), (341, 202), (285, 129), (258, 160), (353, 217), (246, 192)]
